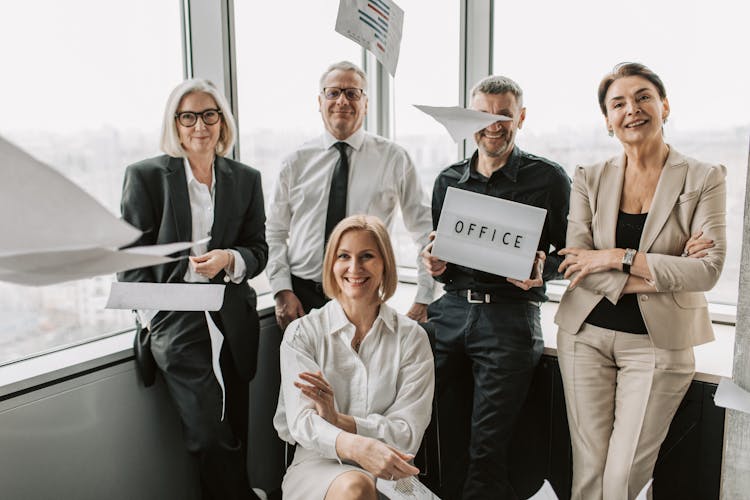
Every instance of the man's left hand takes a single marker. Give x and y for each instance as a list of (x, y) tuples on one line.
[(418, 312), (536, 274)]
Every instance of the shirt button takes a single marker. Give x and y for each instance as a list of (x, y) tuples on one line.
[(644, 298)]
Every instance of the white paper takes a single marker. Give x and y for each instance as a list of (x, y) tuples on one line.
[(643, 495), (217, 339), (461, 123), (166, 296), (47, 268), (405, 489), (730, 395), (42, 210), (166, 248), (489, 234), (545, 492), (376, 25)]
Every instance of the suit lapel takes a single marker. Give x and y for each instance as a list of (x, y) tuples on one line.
[(608, 201), (222, 201), (179, 199), (669, 187)]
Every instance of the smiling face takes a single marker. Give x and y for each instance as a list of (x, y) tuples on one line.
[(635, 111), (341, 116), (358, 267), (497, 140), (200, 139)]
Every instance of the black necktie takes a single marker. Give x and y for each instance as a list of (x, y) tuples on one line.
[(337, 194)]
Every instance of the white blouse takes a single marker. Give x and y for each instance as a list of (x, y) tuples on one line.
[(387, 387)]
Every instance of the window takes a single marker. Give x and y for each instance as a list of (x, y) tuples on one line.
[(429, 28), (86, 95), (692, 45)]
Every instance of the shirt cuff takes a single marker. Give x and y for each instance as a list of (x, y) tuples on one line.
[(327, 434), (238, 273), (366, 428), (280, 283)]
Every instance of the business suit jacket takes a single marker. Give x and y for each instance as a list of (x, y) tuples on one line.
[(690, 196), (155, 200)]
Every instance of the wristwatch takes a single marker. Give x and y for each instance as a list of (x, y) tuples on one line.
[(627, 259)]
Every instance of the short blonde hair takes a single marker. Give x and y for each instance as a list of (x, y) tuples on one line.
[(170, 138), (375, 227)]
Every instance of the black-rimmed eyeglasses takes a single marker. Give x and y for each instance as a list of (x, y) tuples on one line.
[(351, 94), (190, 118)]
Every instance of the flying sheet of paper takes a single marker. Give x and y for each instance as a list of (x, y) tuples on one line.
[(643, 495), (166, 296), (461, 123), (166, 248), (408, 488), (217, 339), (51, 212), (47, 268), (730, 395), (545, 492), (377, 25)]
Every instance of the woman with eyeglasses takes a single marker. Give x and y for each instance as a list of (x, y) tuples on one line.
[(194, 193), (356, 377), (635, 307)]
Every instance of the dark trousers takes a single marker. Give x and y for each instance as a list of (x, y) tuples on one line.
[(309, 292), (182, 351), (485, 356)]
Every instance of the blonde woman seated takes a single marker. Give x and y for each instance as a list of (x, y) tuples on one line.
[(357, 377)]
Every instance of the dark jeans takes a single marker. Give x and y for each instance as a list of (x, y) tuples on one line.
[(485, 356), (182, 351), (309, 292)]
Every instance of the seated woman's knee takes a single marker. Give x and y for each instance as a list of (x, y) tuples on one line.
[(352, 485)]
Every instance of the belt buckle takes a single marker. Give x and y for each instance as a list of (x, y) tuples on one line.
[(482, 300)]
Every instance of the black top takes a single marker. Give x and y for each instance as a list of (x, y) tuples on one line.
[(626, 315), (527, 179)]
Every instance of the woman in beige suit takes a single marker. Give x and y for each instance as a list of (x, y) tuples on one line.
[(635, 305)]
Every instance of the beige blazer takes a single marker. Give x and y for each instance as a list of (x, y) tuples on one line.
[(690, 196)]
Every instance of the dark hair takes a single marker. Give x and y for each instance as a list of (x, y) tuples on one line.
[(628, 69)]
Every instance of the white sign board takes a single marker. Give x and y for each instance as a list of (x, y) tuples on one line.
[(488, 234), (374, 24)]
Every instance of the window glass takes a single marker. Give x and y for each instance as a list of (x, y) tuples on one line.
[(86, 94), (429, 28), (692, 45)]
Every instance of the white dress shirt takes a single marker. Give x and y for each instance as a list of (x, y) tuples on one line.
[(387, 387), (382, 177)]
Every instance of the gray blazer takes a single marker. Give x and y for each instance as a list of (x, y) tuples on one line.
[(690, 196), (155, 200)]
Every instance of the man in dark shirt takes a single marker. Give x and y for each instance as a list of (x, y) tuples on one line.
[(488, 338)]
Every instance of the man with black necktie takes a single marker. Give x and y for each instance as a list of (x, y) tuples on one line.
[(344, 171)]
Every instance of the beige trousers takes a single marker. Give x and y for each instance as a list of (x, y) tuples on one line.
[(621, 393)]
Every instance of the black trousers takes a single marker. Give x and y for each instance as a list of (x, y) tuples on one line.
[(182, 350), (485, 356), (309, 292)]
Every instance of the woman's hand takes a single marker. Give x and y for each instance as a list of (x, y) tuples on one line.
[(696, 246), (582, 262), (375, 457), (321, 393), (210, 263)]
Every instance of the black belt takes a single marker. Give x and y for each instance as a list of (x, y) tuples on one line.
[(479, 297)]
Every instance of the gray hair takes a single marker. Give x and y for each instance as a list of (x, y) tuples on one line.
[(498, 85), (170, 138), (344, 66)]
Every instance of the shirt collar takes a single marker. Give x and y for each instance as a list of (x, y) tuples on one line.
[(355, 140), (509, 170), (337, 319), (191, 178)]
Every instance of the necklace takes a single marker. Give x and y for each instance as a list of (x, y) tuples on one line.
[(356, 343)]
